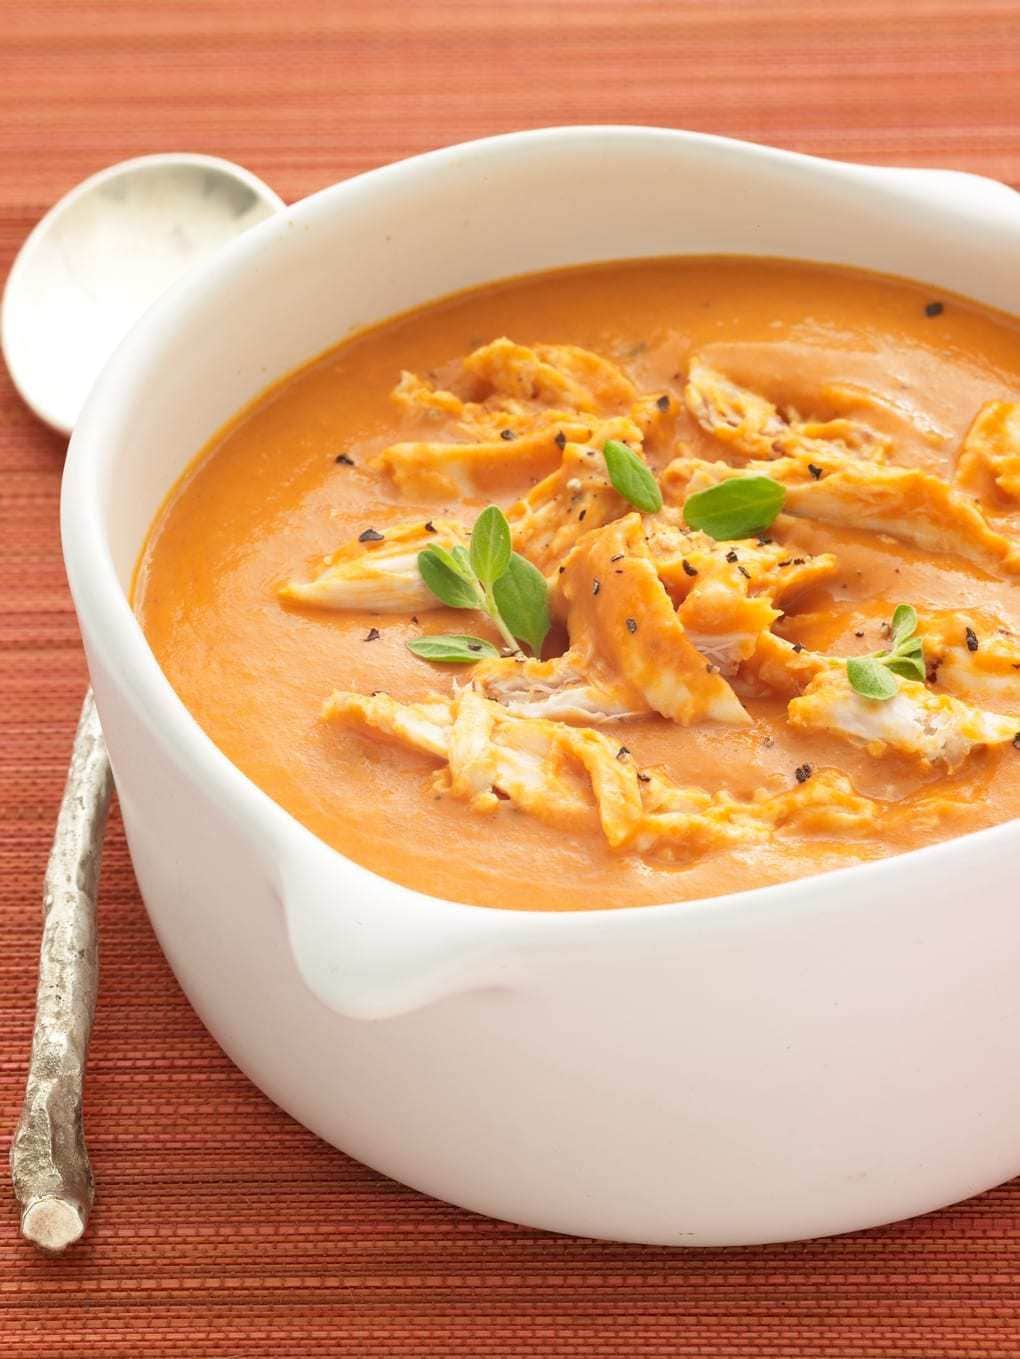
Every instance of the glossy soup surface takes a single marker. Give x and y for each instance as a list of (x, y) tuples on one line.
[(267, 500)]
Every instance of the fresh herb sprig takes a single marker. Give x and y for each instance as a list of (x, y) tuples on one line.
[(874, 676), (737, 508), (490, 577), (631, 478)]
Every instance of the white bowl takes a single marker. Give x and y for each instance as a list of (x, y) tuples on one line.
[(798, 1060)]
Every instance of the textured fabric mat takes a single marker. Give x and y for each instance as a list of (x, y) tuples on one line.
[(222, 1229)]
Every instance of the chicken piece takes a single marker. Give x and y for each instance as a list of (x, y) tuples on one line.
[(910, 505), (970, 655), (688, 823), (569, 776), (685, 559), (825, 804), (428, 468), (419, 726), (782, 667), (724, 622), (900, 417), (471, 421), (624, 631), (519, 382), (656, 418), (934, 728), (628, 651), (724, 632), (415, 396), (685, 476), (524, 390), (626, 635), (989, 462), (556, 374), (379, 575), (557, 773), (540, 767), (726, 591), (557, 689), (571, 501), (753, 427), (535, 401), (973, 655)]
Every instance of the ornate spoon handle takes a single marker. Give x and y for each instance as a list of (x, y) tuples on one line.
[(49, 1161)]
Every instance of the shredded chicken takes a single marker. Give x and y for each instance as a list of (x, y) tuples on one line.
[(558, 689), (571, 501), (561, 375), (380, 574), (468, 421), (935, 728), (689, 823), (432, 468), (532, 401), (415, 396), (565, 775), (726, 592), (903, 502), (973, 655), (989, 462), (724, 622), (753, 427), (664, 619), (420, 726), (782, 667), (687, 559), (628, 649), (558, 773), (622, 625), (903, 415), (516, 381), (656, 418)]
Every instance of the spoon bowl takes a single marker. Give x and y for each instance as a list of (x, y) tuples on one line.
[(102, 255)]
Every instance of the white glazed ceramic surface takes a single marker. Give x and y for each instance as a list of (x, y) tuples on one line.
[(799, 1060)]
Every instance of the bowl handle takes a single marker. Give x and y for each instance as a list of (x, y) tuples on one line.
[(371, 949), (956, 184)]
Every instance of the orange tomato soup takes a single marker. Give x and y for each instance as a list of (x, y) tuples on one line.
[(830, 352)]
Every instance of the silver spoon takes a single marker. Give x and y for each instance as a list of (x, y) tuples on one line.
[(86, 273)]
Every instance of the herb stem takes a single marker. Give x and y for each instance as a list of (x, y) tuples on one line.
[(490, 577), (492, 609)]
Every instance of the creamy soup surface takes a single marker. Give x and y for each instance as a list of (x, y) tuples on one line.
[(737, 753)]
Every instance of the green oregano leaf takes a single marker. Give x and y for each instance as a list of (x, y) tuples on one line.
[(462, 562), (909, 667), (452, 648), (737, 508), (490, 545), (522, 598), (870, 678), (444, 576), (631, 477), (904, 624)]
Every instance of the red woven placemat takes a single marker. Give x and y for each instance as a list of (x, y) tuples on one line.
[(222, 1229)]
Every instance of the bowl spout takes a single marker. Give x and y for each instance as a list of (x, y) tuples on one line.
[(370, 953)]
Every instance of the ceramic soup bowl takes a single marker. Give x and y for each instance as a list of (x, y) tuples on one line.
[(796, 1060)]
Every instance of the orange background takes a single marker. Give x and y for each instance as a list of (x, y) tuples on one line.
[(222, 1228)]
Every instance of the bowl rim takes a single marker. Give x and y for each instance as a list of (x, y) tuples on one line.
[(115, 633)]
